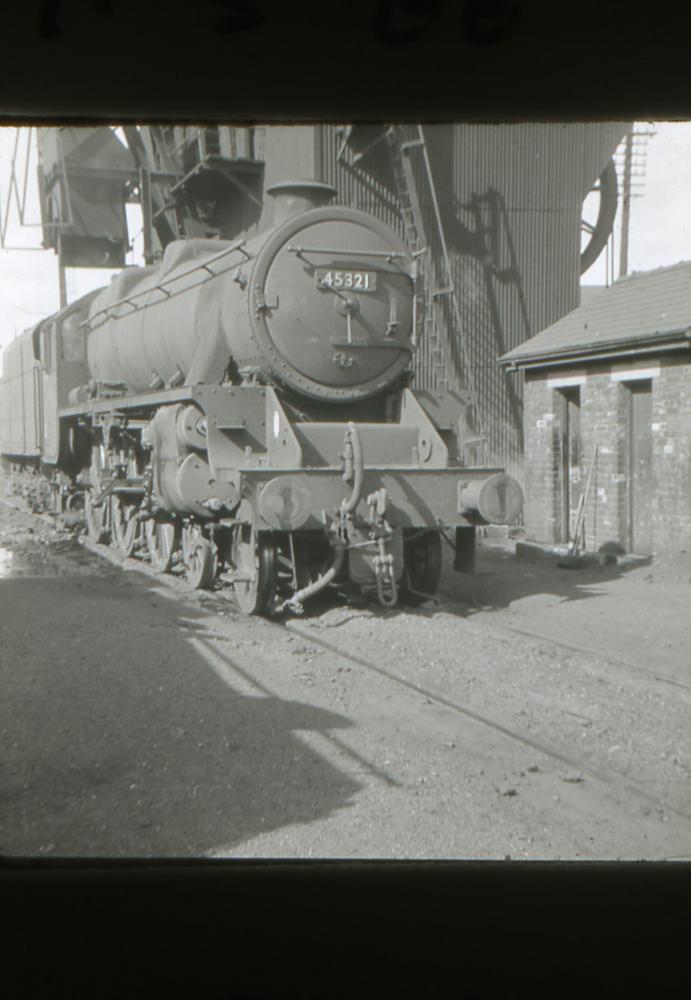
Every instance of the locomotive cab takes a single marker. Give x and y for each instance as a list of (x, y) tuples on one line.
[(60, 347)]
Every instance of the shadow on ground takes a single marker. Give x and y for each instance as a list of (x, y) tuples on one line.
[(500, 580), (120, 740)]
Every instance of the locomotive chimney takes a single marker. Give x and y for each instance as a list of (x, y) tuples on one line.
[(294, 197)]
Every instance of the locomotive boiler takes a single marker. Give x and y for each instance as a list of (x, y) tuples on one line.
[(247, 405)]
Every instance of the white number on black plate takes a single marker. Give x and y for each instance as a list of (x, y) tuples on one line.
[(356, 281)]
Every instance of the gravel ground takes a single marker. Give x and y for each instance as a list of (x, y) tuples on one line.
[(138, 719)]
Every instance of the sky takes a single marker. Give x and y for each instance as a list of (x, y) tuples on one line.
[(660, 219), (29, 286), (660, 230)]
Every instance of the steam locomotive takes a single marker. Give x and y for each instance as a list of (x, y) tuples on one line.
[(244, 408)]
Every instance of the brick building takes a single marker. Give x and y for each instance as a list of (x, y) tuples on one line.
[(609, 385)]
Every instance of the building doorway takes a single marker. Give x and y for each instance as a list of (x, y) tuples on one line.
[(569, 459), (639, 467)]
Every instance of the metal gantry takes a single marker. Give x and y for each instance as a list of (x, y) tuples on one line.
[(439, 285), (177, 174)]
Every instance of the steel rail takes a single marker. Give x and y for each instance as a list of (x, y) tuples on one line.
[(268, 692), (576, 648), (604, 777)]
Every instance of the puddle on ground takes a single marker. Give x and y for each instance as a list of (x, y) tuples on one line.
[(61, 558), (5, 562)]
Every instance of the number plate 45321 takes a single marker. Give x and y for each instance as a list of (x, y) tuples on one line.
[(354, 281)]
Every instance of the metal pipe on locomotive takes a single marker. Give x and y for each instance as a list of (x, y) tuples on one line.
[(248, 403)]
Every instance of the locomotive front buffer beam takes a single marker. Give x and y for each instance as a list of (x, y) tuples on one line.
[(375, 518), (371, 488)]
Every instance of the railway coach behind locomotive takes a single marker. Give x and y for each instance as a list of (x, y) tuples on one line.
[(247, 403)]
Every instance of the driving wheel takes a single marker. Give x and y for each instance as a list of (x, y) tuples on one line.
[(198, 557), (254, 569), (162, 539), (97, 517), (422, 566), (124, 524)]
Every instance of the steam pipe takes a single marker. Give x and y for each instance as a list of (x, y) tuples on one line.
[(318, 584), (351, 503)]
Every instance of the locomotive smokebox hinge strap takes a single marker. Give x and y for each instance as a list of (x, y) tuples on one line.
[(265, 300)]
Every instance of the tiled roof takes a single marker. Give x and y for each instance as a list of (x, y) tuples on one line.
[(591, 292), (642, 306)]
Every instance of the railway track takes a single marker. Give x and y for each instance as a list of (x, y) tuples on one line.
[(484, 628), (607, 777), (587, 651)]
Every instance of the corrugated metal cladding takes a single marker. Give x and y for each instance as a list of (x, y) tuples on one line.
[(510, 198)]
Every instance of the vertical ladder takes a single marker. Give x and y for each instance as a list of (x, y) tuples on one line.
[(416, 239), (436, 290)]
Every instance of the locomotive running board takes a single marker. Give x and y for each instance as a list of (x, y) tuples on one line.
[(147, 400)]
